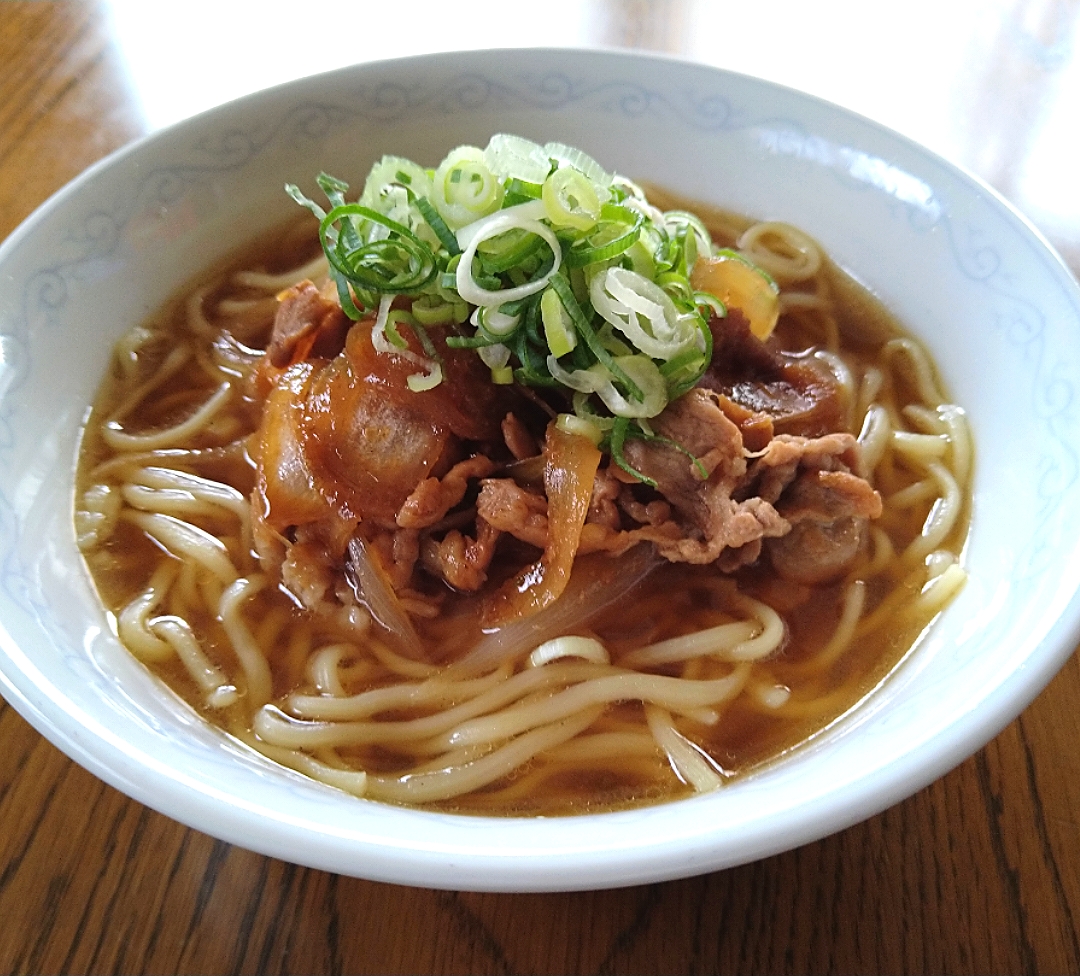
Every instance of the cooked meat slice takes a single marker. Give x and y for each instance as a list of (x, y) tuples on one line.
[(795, 392), (306, 574), (774, 468), (829, 512), (818, 552), (398, 551), (434, 497), (510, 508), (696, 423), (599, 538), (825, 496), (603, 507), (711, 519), (656, 512), (306, 324), (459, 560)]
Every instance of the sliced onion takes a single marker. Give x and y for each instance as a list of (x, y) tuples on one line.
[(570, 463), (598, 580), (372, 588)]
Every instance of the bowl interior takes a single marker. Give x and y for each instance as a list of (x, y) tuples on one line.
[(959, 268)]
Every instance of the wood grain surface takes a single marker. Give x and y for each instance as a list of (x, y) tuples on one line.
[(978, 873)]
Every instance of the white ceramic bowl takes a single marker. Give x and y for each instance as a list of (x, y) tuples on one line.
[(997, 308)]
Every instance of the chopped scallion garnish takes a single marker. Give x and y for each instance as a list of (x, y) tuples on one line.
[(566, 275)]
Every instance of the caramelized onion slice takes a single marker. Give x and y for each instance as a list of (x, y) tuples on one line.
[(569, 473), (369, 582), (598, 580)]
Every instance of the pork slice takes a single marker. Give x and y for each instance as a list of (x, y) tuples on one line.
[(793, 392), (460, 560), (825, 496), (829, 511), (306, 573), (508, 507), (775, 467), (710, 518), (306, 324), (603, 506), (696, 422), (434, 497), (815, 553), (397, 551)]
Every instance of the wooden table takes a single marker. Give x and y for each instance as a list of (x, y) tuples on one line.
[(980, 872)]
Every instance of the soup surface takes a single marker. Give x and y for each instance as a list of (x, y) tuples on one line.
[(477, 595)]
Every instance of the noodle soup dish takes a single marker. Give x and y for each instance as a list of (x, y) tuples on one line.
[(515, 503), (659, 500)]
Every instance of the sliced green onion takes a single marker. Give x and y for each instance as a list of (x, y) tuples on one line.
[(432, 310), (710, 301), (508, 250), (438, 225), (298, 195), (592, 340), (727, 252), (495, 356), (494, 322), (620, 239), (492, 226), (647, 377), (584, 410), (570, 156), (464, 188), (570, 277), (558, 326), (590, 380), (682, 372), (520, 191), (477, 341), (419, 382), (570, 200), (568, 423), (396, 264), (345, 297), (394, 170), (696, 231), (334, 188), (642, 312), (394, 316), (516, 158)]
